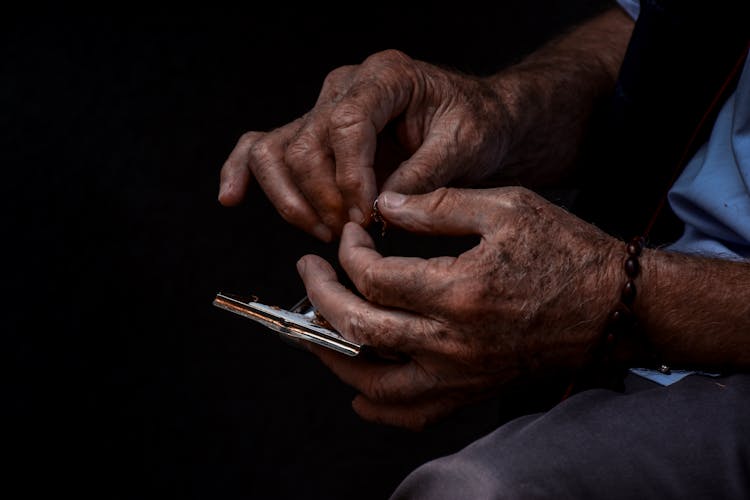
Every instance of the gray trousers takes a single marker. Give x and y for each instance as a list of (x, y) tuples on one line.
[(687, 440)]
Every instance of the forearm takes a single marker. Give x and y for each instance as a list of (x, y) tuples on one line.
[(695, 311), (551, 94)]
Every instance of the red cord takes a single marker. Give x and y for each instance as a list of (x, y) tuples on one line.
[(718, 98)]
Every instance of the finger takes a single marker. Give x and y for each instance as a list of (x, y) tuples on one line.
[(415, 416), (354, 151), (235, 173), (358, 117), (430, 167), (379, 381), (355, 318), (311, 165), (266, 161), (452, 212), (336, 83), (408, 283), (310, 157)]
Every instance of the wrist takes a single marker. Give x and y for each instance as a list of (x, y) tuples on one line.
[(695, 310), (547, 109), (550, 95), (625, 340)]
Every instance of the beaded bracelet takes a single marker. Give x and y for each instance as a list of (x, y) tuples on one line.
[(622, 319)]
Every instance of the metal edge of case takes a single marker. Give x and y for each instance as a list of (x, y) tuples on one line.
[(243, 307)]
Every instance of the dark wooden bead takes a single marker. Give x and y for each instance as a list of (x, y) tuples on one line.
[(621, 317), (632, 267), (635, 246), (628, 292), (633, 249)]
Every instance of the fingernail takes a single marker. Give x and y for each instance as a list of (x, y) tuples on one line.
[(322, 232), (392, 200), (301, 265), (355, 215)]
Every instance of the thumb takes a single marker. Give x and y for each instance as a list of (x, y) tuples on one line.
[(451, 212), (430, 167)]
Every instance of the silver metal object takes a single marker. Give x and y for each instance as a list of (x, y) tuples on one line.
[(301, 322)]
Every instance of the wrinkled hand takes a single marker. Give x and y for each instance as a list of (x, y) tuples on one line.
[(531, 297), (325, 168)]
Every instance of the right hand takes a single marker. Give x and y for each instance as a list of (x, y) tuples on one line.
[(518, 306), (322, 169)]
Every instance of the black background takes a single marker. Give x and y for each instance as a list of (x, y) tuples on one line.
[(124, 380)]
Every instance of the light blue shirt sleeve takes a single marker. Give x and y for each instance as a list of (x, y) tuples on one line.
[(712, 195), (632, 7), (667, 379)]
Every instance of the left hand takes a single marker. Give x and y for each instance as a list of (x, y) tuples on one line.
[(531, 298), (392, 120)]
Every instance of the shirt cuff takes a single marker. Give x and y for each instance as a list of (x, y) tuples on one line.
[(632, 7)]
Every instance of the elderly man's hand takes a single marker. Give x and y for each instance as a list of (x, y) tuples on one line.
[(325, 168), (531, 297)]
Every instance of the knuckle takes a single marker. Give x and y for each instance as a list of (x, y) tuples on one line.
[(288, 210), (375, 389), (354, 325), (248, 138), (349, 180), (518, 194), (389, 71), (368, 284), (346, 115), (228, 170), (365, 410), (418, 421), (261, 151), (389, 56), (303, 151), (466, 303), (443, 197), (337, 78)]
